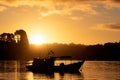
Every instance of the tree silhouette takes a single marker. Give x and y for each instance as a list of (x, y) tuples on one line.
[(22, 38), (7, 37), (14, 46)]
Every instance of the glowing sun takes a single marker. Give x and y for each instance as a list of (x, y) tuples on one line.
[(36, 39)]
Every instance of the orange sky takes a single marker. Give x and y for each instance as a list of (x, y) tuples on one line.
[(63, 21)]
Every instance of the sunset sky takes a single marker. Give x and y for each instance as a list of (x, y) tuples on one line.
[(63, 21)]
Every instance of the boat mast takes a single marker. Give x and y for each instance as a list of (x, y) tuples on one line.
[(51, 54)]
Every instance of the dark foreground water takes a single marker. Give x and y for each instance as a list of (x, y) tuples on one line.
[(91, 70)]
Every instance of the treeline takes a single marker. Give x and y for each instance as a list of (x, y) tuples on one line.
[(15, 46), (107, 51)]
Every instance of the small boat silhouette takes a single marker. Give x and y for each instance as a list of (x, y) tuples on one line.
[(47, 65)]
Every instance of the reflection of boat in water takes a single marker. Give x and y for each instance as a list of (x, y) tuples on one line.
[(47, 65)]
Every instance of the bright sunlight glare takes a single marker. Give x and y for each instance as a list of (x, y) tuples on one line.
[(36, 39)]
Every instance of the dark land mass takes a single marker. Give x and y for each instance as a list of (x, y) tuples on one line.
[(16, 47)]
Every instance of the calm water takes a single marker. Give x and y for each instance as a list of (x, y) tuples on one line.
[(91, 70)]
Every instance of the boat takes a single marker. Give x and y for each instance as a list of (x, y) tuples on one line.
[(47, 65)]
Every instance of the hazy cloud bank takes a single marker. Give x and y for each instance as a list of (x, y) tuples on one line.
[(110, 27), (64, 7)]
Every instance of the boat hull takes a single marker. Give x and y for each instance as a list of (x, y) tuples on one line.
[(62, 68), (69, 68)]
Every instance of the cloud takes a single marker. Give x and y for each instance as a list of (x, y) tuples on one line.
[(55, 2), (64, 7), (110, 27), (2, 8), (108, 4), (76, 18)]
